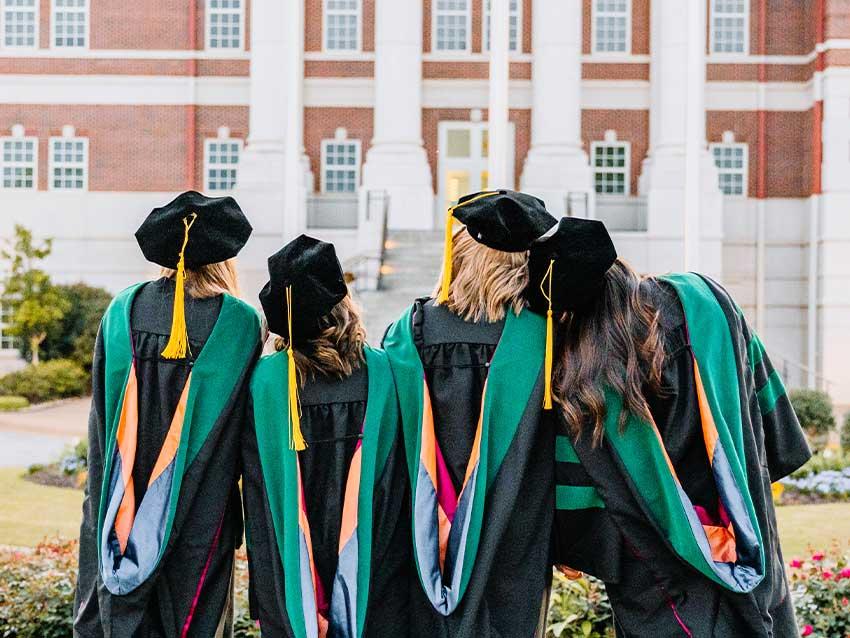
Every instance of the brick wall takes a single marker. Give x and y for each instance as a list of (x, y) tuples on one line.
[(788, 137), (321, 124), (631, 126), (131, 148)]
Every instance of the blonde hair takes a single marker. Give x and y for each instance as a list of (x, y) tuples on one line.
[(484, 281), (338, 348), (210, 280)]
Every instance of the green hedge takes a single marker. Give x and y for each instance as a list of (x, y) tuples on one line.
[(814, 409), (845, 435), (13, 403), (58, 379)]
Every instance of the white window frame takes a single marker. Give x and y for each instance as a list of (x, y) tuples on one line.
[(207, 165), (711, 36), (36, 10), (3, 325), (450, 52), (20, 138), (64, 47), (593, 36), (208, 11), (744, 170), (359, 14), (485, 23), (51, 163), (626, 169), (323, 166)]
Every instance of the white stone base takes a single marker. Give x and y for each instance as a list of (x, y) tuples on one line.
[(403, 172), (554, 173), (663, 182)]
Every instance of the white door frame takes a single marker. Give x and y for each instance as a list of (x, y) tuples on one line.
[(475, 163)]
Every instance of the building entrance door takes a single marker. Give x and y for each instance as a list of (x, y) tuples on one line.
[(463, 155)]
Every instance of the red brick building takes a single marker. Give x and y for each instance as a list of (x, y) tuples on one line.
[(107, 107)]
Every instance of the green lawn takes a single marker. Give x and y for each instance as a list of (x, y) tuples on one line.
[(30, 513)]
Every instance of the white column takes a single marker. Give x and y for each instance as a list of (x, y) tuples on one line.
[(833, 343), (556, 164), (679, 178), (497, 117), (396, 162), (272, 179)]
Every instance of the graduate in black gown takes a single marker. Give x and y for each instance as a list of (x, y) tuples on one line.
[(673, 425), (469, 370), (162, 512), (326, 498)]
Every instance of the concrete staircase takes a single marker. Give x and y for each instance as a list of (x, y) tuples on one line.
[(411, 266)]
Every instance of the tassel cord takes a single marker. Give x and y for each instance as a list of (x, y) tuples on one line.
[(178, 341), (296, 436), (547, 369)]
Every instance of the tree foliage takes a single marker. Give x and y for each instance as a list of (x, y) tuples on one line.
[(37, 305), (814, 410)]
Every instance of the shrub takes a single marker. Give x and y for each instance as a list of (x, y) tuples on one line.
[(845, 435), (820, 587), (12, 403), (75, 336), (48, 381), (814, 409), (37, 591), (821, 462), (579, 609)]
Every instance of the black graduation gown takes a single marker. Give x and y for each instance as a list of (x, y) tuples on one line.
[(653, 592), (332, 421), (509, 580), (189, 592)]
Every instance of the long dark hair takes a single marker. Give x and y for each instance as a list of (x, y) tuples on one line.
[(617, 343)]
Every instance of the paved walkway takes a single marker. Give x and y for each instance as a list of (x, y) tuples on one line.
[(412, 265), (39, 435)]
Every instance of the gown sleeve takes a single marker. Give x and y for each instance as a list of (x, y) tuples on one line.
[(86, 608), (264, 568), (786, 448)]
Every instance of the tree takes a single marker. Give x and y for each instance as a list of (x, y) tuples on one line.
[(814, 410), (74, 338), (37, 305)]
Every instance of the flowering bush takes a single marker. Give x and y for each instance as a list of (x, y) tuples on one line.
[(37, 591), (579, 609), (820, 586), (826, 483)]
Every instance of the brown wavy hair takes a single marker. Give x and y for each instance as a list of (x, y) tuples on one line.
[(484, 281), (337, 350), (615, 343), (210, 280)]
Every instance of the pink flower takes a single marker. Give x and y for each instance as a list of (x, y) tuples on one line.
[(844, 573), (827, 575), (796, 563), (808, 630), (818, 557), (845, 602)]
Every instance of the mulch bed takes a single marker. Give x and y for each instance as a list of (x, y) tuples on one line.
[(795, 497), (52, 476)]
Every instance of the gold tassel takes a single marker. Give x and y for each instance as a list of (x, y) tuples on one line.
[(446, 282), (296, 437), (443, 297), (550, 346), (178, 341)]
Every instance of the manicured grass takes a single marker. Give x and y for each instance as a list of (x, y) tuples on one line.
[(29, 513), (816, 526)]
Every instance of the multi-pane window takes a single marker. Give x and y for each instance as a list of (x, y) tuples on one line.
[(70, 23), (610, 163), (611, 26), (224, 24), (69, 163), (340, 166), (20, 23), (730, 26), (451, 25), (18, 161), (221, 163), (342, 25), (7, 341), (514, 24), (731, 161)]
